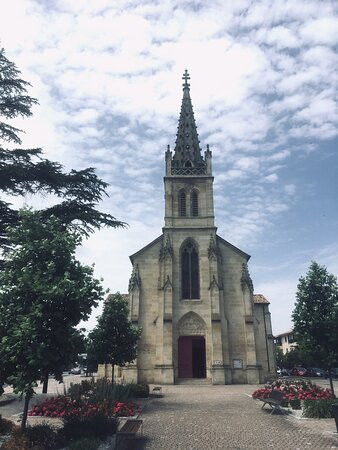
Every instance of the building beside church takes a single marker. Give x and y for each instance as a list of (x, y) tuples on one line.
[(286, 341), (190, 290)]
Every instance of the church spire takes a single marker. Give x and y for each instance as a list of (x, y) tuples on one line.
[(187, 159)]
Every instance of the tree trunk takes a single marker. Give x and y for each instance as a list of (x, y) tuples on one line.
[(28, 396), (45, 384), (112, 374), (331, 384)]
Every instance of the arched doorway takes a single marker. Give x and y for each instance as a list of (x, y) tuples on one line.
[(191, 357), (191, 348)]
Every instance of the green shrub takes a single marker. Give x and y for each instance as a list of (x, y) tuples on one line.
[(99, 391), (6, 426), (42, 436), (85, 444), (318, 409), (78, 390), (295, 403), (17, 441), (98, 426), (104, 390), (285, 403), (139, 390)]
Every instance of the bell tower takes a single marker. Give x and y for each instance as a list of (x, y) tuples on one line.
[(188, 180)]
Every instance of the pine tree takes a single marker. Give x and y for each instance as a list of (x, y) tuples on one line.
[(315, 316), (114, 339), (25, 171)]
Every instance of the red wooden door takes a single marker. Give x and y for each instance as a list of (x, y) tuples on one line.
[(185, 357)]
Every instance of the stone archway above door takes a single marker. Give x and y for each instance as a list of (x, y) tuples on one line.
[(191, 324)]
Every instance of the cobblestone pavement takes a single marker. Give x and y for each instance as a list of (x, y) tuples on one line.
[(225, 417)]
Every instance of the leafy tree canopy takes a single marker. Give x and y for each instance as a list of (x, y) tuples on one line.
[(114, 339), (45, 292), (315, 316), (26, 171)]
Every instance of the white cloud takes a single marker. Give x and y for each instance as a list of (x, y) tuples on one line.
[(279, 36), (279, 156), (271, 178), (321, 31), (107, 75), (320, 111)]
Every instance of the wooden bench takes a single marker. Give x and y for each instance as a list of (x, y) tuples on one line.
[(129, 429), (274, 401)]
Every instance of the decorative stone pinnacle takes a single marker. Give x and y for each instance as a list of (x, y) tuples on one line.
[(186, 77), (135, 280), (166, 250), (213, 250), (246, 279)]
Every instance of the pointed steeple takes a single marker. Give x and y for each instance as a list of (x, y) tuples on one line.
[(187, 150)]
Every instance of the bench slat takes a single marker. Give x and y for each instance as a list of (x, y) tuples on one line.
[(131, 426)]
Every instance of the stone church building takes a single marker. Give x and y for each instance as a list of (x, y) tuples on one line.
[(190, 290)]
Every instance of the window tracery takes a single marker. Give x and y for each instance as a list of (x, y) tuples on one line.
[(190, 271)]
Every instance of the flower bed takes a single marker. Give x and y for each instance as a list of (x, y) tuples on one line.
[(63, 406), (294, 389)]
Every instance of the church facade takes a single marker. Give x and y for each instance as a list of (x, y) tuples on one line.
[(190, 290)]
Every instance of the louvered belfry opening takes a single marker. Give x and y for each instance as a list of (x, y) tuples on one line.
[(194, 204), (190, 272), (182, 203)]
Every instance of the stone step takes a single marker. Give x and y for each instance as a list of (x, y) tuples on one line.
[(193, 381)]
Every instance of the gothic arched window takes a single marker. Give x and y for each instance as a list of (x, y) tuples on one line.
[(194, 204), (190, 271), (182, 203)]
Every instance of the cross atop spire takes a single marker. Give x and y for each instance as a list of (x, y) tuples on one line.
[(187, 159), (186, 77)]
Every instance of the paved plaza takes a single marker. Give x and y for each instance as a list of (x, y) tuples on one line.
[(226, 417), (202, 417)]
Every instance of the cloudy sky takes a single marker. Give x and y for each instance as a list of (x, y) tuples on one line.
[(107, 74)]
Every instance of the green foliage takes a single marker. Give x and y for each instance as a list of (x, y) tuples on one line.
[(85, 444), (18, 440), (139, 390), (315, 316), (14, 101), (318, 409), (25, 171), (45, 293), (105, 390), (100, 391), (285, 403), (294, 358), (43, 436), (6, 426), (99, 426), (78, 390), (114, 339), (279, 356), (295, 403)]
